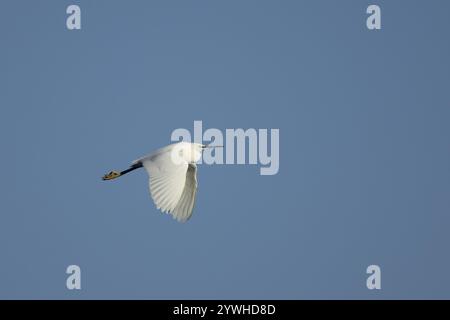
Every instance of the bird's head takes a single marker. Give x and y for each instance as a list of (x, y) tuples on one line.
[(183, 152)]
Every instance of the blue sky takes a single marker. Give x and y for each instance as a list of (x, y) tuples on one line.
[(364, 148)]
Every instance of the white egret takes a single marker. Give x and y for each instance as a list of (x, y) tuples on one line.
[(172, 174)]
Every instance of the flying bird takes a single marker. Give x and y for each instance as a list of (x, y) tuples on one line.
[(172, 174)]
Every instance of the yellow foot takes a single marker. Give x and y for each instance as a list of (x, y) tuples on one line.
[(111, 175)]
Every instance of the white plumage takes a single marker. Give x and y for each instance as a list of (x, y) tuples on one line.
[(173, 178), (172, 174)]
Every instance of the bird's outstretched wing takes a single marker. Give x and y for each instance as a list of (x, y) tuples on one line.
[(172, 186), (183, 210)]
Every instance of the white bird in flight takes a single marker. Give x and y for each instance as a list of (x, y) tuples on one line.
[(172, 174)]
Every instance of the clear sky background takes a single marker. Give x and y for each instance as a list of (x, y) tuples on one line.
[(364, 148)]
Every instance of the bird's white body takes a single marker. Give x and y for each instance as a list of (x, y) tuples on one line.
[(172, 174)]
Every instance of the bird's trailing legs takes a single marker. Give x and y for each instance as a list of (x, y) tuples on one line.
[(115, 174)]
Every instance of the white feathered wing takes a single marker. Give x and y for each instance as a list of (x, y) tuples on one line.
[(173, 187)]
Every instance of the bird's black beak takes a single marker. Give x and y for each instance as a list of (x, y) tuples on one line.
[(210, 146)]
